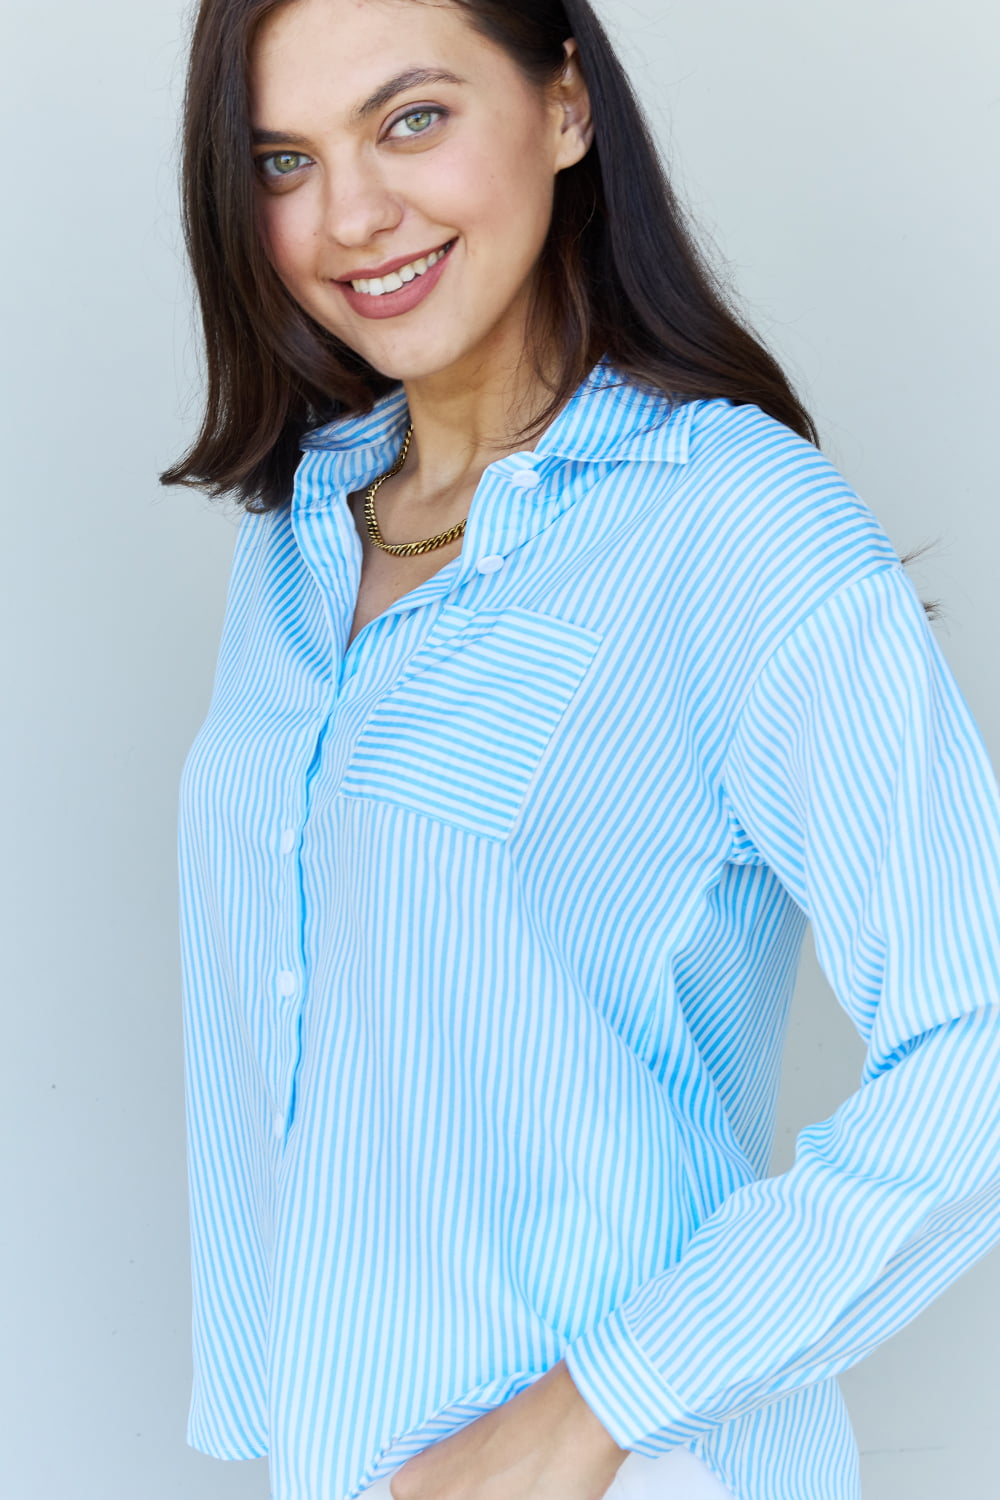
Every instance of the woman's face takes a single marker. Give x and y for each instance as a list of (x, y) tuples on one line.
[(396, 146)]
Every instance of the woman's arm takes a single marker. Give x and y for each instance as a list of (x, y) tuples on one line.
[(858, 775)]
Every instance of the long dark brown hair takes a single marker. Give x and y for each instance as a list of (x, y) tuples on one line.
[(619, 277)]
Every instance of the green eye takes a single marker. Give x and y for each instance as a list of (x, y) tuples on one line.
[(416, 122), (280, 163)]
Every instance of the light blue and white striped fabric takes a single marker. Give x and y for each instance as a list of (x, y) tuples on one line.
[(490, 924)]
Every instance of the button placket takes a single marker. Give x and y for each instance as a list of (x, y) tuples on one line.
[(287, 982)]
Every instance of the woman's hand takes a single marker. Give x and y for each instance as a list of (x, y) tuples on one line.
[(543, 1444)]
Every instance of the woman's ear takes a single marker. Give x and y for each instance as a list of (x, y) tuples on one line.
[(572, 101)]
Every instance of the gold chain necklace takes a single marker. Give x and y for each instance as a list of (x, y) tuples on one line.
[(403, 549)]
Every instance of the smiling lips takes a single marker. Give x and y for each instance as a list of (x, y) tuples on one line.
[(379, 285), (398, 289)]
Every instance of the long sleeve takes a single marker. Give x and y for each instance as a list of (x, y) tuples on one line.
[(856, 773)]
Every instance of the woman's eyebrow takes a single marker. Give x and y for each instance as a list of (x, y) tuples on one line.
[(277, 138), (411, 79)]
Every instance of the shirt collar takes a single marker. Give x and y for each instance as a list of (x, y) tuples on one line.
[(609, 418)]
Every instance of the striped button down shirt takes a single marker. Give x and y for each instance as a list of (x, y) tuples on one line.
[(490, 921)]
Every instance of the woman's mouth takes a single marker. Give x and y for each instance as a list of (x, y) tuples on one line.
[(397, 292)]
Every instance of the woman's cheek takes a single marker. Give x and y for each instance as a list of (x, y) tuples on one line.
[(287, 236)]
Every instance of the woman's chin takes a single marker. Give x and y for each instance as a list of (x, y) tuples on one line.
[(412, 366)]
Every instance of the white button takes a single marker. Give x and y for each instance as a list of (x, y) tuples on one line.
[(525, 479), (278, 1125), (286, 982), (287, 840), (492, 563)]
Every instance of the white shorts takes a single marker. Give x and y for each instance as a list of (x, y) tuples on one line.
[(677, 1475)]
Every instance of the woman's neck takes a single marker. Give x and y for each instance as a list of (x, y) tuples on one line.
[(464, 421)]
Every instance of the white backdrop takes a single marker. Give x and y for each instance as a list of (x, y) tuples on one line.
[(838, 156)]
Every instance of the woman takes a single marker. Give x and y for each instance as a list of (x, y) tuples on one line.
[(562, 681)]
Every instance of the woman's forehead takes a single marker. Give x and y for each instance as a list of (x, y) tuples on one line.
[(349, 58), (354, 25)]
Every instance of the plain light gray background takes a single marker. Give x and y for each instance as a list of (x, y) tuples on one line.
[(839, 156)]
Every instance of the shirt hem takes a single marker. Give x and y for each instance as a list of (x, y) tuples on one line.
[(227, 1454)]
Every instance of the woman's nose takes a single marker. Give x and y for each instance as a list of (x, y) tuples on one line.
[(358, 206)]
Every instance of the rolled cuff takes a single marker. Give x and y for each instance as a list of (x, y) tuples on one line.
[(626, 1392)]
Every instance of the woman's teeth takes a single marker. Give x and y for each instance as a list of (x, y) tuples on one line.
[(379, 285)]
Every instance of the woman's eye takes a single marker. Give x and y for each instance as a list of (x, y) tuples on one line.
[(415, 122), (280, 163)]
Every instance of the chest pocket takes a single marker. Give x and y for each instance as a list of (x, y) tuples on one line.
[(459, 736)]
